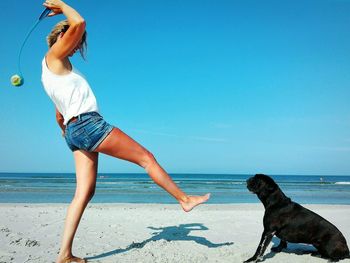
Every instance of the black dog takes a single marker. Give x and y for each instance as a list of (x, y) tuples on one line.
[(294, 223)]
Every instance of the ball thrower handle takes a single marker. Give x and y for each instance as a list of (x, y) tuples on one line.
[(45, 13)]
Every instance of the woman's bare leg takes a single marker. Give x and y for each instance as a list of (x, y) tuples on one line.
[(86, 170), (121, 146)]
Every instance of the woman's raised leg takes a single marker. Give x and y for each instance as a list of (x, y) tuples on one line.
[(86, 171), (121, 146)]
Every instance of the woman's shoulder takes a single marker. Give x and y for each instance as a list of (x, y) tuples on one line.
[(57, 66)]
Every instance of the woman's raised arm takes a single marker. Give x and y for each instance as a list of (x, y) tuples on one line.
[(70, 40)]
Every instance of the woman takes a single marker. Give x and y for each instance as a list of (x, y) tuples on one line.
[(85, 131)]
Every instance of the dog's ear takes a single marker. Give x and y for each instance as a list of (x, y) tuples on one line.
[(269, 183), (271, 187)]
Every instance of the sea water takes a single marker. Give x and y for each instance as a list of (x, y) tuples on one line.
[(139, 188)]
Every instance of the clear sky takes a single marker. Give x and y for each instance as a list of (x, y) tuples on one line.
[(207, 86)]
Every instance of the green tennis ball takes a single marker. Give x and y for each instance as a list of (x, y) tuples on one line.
[(16, 80)]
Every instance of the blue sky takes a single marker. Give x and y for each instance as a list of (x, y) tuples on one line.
[(207, 86)]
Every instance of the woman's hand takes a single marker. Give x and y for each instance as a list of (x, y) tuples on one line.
[(60, 120), (55, 6)]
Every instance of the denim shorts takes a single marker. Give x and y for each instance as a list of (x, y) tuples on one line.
[(87, 132)]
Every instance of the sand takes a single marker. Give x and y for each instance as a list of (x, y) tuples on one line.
[(150, 233)]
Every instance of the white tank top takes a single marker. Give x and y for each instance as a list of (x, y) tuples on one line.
[(70, 93)]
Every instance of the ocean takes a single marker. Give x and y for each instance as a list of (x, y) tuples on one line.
[(139, 188)]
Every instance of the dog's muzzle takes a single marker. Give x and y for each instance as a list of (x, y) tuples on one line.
[(250, 184)]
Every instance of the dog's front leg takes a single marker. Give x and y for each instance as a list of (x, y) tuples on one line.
[(266, 238)]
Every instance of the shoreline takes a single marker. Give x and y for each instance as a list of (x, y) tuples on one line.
[(139, 188), (124, 232)]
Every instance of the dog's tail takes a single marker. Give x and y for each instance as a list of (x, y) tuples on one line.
[(346, 256), (341, 254), (336, 259), (348, 252)]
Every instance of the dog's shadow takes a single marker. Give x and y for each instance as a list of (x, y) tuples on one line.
[(169, 233), (292, 248)]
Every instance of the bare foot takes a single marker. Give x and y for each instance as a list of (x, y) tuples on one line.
[(71, 259), (193, 201)]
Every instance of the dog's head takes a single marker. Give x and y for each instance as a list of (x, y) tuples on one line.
[(262, 185)]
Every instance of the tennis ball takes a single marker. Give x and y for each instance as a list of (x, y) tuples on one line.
[(16, 80)]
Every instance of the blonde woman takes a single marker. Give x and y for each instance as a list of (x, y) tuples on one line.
[(86, 132)]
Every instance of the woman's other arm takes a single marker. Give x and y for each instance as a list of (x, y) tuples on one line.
[(60, 120)]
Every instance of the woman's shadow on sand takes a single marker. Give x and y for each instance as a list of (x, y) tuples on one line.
[(170, 233)]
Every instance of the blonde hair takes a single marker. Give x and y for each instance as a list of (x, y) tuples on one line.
[(62, 27)]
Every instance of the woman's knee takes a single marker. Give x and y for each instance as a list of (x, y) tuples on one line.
[(147, 159)]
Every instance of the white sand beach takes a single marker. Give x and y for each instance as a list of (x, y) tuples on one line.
[(150, 233)]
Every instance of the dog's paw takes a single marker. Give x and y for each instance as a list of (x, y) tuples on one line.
[(276, 249), (316, 254), (252, 259)]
